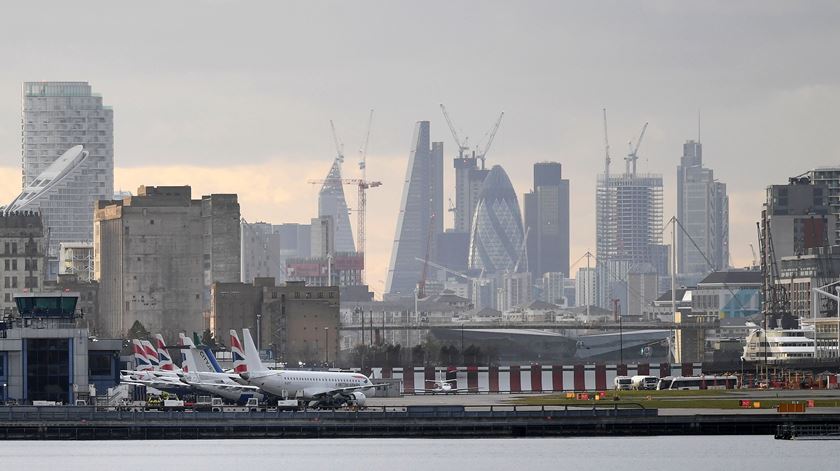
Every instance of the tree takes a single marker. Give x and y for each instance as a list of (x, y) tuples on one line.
[(139, 332), (209, 340)]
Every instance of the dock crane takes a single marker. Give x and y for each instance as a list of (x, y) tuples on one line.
[(633, 156)]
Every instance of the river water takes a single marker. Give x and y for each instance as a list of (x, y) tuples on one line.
[(741, 453)]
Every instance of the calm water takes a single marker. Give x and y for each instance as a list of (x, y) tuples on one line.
[(743, 453)]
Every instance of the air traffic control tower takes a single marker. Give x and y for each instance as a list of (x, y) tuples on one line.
[(46, 354)]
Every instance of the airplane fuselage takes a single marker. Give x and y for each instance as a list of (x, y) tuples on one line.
[(305, 384)]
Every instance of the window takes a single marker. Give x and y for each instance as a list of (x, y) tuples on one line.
[(14, 264), (6, 248), (6, 282), (6, 264), (14, 247), (7, 297)]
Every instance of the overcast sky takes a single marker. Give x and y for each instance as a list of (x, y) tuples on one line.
[(232, 96)]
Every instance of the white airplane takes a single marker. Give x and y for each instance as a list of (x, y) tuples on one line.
[(321, 389), (202, 372), (442, 386), (146, 360)]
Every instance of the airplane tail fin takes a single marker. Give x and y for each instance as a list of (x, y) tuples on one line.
[(140, 360), (151, 354), (237, 353), (164, 359), (197, 340), (212, 359), (252, 355)]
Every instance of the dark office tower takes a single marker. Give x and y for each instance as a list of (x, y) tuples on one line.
[(703, 211), (547, 221), (421, 213), (496, 238)]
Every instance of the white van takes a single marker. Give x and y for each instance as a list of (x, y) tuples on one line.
[(644, 382), (622, 383)]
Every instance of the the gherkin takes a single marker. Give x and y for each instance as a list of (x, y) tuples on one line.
[(496, 235)]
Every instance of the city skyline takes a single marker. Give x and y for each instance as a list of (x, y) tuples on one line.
[(766, 116)]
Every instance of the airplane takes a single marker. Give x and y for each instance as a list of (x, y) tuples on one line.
[(164, 359), (320, 389), (442, 386), (202, 372), (146, 358)]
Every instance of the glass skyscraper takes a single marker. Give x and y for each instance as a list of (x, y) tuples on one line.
[(421, 213), (331, 203), (703, 211), (56, 117), (496, 239)]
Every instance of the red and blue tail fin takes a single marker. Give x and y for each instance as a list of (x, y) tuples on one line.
[(237, 353), (164, 359), (140, 360), (151, 354)]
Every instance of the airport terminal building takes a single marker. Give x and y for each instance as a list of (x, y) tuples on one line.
[(46, 353)]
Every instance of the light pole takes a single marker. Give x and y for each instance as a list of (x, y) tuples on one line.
[(259, 323), (327, 345)]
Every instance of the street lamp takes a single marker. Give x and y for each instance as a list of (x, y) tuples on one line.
[(259, 323), (326, 345)]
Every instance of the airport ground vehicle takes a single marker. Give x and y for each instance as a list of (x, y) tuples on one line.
[(644, 382), (697, 382), (622, 383)]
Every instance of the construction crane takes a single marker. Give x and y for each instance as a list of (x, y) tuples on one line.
[(633, 156), (755, 259), (362, 187), (339, 146), (481, 152), (421, 286), (362, 184), (462, 145), (607, 160)]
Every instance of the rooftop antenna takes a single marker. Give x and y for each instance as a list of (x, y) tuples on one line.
[(698, 125)]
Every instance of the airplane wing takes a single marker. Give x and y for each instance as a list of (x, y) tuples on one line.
[(349, 389), (228, 387)]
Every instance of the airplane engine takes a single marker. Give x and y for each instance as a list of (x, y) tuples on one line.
[(358, 399)]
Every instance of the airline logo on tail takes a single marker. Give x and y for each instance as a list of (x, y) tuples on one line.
[(237, 353), (151, 353), (164, 359), (140, 359)]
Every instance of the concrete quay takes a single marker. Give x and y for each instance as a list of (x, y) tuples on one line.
[(86, 423)]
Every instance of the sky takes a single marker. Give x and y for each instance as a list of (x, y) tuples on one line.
[(236, 96)]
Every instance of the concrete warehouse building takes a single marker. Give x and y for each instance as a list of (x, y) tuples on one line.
[(158, 253)]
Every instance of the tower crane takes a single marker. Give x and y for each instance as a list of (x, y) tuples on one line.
[(421, 286), (362, 184), (607, 160), (481, 152), (633, 156), (462, 145), (339, 146)]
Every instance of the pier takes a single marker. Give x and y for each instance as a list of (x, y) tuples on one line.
[(87, 423)]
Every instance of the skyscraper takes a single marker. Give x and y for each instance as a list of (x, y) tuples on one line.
[(496, 239), (547, 220), (421, 213), (628, 230), (56, 117), (331, 203), (468, 180), (703, 211)]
